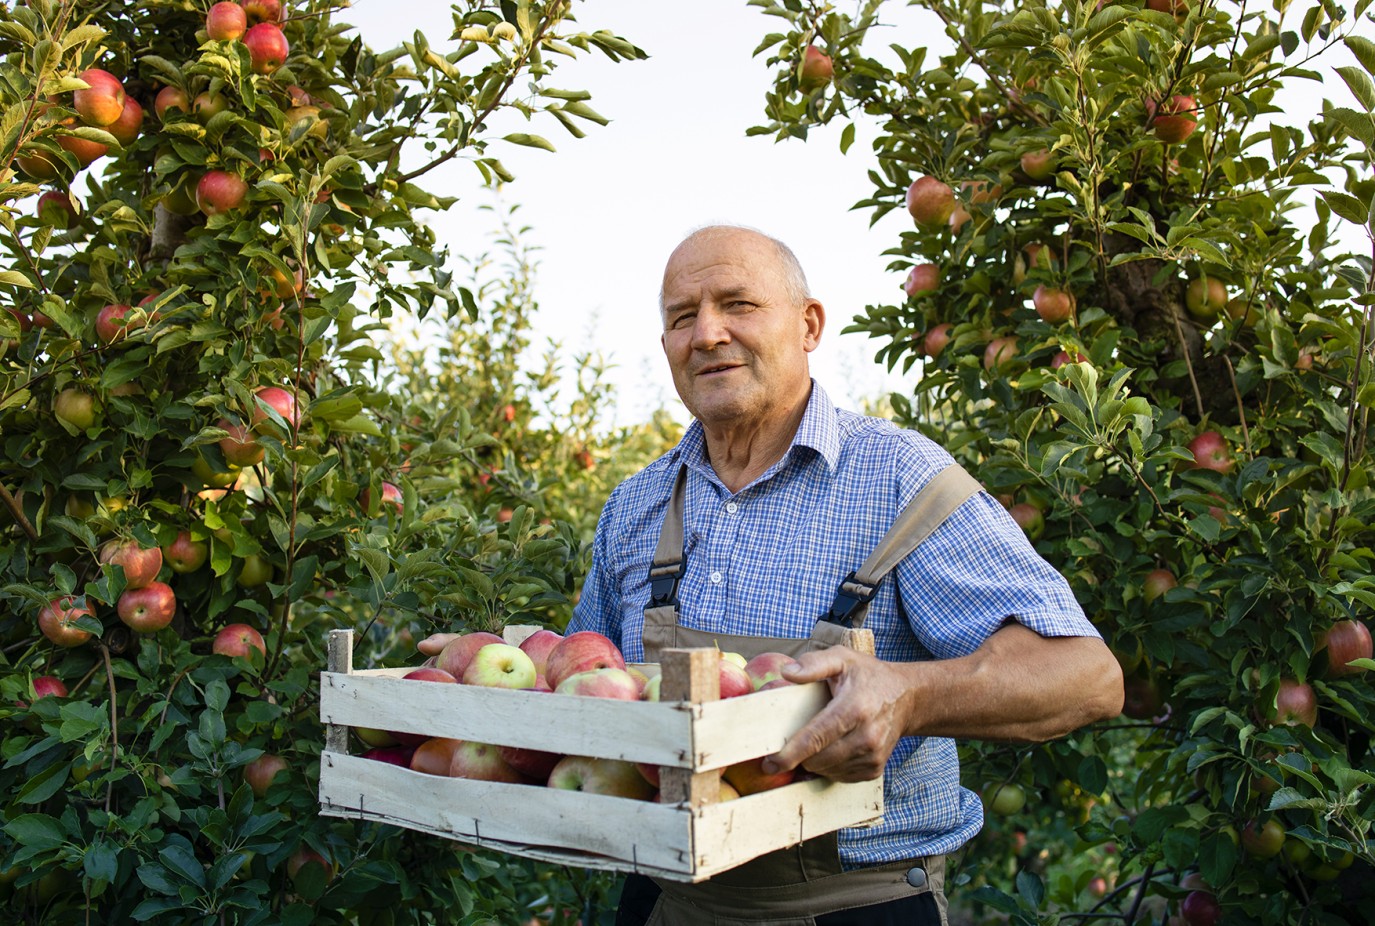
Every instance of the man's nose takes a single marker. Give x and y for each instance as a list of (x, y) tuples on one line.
[(709, 329)]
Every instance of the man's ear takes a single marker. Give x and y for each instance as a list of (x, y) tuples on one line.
[(815, 314)]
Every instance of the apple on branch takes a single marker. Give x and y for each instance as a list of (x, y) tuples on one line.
[(140, 565), (930, 202), (57, 621), (147, 609), (237, 641)]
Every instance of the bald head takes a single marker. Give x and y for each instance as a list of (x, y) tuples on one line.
[(788, 268)]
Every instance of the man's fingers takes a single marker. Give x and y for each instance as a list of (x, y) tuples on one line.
[(435, 642), (827, 727), (814, 666)]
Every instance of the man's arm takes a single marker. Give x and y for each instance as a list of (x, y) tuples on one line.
[(1018, 686)]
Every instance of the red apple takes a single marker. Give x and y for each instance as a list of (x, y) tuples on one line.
[(922, 280), (263, 11), (500, 665), (1345, 641), (237, 640), (481, 762), (103, 102), (1176, 120), (171, 98), (1038, 165), (1156, 583), (238, 445), (184, 554), (1200, 908), (766, 667), (219, 191), (581, 652), (735, 681), (56, 620), (392, 755), (39, 164), (226, 21), (816, 70), (1205, 298), (999, 353), (930, 202), (538, 646), (140, 565), (48, 686), (458, 652), (749, 777), (600, 776), (1029, 518), (304, 857), (260, 772), (147, 609), (55, 209), (934, 341), (434, 755), (280, 401), (391, 497), (113, 322), (532, 763), (1295, 704), (267, 47), (1063, 357), (1210, 451), (85, 151), (125, 129), (601, 683), (1055, 306)]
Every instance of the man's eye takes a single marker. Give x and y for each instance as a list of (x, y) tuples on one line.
[(681, 321)]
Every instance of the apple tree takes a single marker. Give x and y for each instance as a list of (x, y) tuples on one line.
[(1135, 298), (208, 215)]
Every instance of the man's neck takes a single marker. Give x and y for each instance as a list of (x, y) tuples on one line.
[(742, 454)]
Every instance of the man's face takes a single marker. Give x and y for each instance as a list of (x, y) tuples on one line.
[(736, 342)]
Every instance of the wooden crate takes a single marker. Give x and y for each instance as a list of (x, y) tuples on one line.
[(692, 735)]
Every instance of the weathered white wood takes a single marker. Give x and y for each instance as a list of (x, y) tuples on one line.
[(340, 648), (516, 634), (638, 731), (753, 725), (594, 831)]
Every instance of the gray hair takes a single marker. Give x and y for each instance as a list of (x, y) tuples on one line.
[(794, 279)]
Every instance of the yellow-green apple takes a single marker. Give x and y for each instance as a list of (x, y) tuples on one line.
[(640, 677), (211, 477), (581, 652), (1205, 298), (219, 191), (601, 683), (392, 755), (999, 353), (263, 11), (48, 686), (459, 651), (75, 407), (369, 736), (308, 118), (500, 665), (734, 680), (280, 401), (112, 322), (237, 641), (1346, 641), (934, 341), (1264, 840), (481, 762), (1176, 120), (184, 554), (1241, 310), (147, 609), (1005, 799), (930, 202), (125, 129), (238, 446), (600, 776), (172, 99), (766, 667), (254, 571), (102, 101), (538, 646), (226, 21), (55, 209), (140, 565), (1055, 306), (1038, 165), (736, 658), (1210, 451), (816, 70), (922, 280), (434, 755), (1295, 704), (749, 777), (1029, 519), (267, 47), (57, 621), (1156, 583), (260, 772), (652, 689), (208, 105)]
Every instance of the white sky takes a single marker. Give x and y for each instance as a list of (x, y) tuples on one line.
[(607, 209)]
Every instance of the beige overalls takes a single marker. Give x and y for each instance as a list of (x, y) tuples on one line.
[(792, 886)]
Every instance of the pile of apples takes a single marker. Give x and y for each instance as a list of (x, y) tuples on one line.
[(582, 664)]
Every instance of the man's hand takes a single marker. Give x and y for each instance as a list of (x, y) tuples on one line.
[(435, 642), (852, 737)]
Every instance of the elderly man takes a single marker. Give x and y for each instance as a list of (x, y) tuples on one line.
[(750, 532)]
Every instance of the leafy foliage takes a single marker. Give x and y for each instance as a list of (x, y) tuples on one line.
[(1137, 159)]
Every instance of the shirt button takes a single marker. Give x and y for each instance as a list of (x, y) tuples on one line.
[(732, 508), (716, 578)]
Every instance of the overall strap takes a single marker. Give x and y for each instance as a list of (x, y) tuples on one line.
[(936, 501), (667, 567)]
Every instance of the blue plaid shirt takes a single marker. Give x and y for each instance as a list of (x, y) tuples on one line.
[(766, 561)]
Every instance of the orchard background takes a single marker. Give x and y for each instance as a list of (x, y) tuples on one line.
[(1089, 168)]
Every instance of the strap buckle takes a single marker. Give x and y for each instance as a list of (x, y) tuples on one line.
[(663, 584), (851, 594)]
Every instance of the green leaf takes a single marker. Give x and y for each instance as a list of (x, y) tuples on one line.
[(181, 859), (45, 784), (15, 278), (528, 140), (35, 831), (1364, 51)]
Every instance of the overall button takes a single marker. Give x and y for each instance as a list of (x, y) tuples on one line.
[(916, 877), (716, 578)]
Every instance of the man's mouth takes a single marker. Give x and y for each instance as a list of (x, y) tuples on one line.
[(716, 368)]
